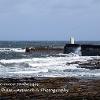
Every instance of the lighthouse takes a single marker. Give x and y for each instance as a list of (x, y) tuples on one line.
[(72, 41)]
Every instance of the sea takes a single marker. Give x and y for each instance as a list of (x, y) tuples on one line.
[(16, 63)]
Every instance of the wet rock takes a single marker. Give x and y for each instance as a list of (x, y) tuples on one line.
[(27, 49), (91, 64)]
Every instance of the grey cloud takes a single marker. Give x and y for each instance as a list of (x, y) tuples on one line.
[(49, 17), (9, 5), (96, 1), (43, 5), (70, 4)]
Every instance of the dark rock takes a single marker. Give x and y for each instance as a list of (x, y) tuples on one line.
[(27, 49), (91, 64)]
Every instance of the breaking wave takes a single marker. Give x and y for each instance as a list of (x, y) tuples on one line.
[(47, 67)]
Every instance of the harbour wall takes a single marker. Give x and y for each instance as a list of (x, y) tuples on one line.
[(44, 50), (80, 49), (84, 49)]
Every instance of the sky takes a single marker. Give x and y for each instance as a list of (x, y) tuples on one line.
[(50, 20)]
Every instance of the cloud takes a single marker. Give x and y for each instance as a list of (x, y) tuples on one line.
[(70, 4), (7, 6), (96, 1), (35, 6), (49, 17)]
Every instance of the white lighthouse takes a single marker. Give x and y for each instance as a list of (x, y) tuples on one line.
[(72, 41)]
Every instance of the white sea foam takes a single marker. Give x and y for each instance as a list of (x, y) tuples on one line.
[(12, 50), (14, 61), (47, 67)]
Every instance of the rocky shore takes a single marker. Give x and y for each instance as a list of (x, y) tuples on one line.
[(66, 88), (89, 64)]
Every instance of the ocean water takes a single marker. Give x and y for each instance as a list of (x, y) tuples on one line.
[(16, 63)]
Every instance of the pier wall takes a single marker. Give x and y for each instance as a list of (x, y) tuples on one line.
[(44, 50), (84, 50), (80, 49)]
